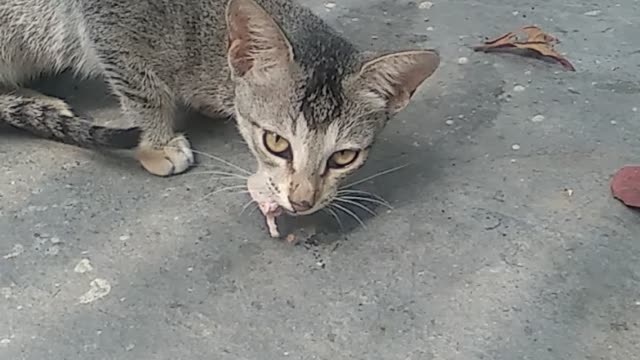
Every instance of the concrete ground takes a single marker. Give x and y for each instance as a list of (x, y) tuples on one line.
[(505, 242)]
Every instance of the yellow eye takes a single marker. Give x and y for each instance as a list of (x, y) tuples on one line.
[(276, 144), (343, 158)]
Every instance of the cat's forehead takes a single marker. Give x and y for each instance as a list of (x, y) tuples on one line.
[(321, 96)]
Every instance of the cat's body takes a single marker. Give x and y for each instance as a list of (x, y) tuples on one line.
[(151, 52), (272, 64)]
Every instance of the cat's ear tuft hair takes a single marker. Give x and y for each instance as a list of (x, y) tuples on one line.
[(390, 80), (256, 43)]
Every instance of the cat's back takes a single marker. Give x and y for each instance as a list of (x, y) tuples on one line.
[(41, 36)]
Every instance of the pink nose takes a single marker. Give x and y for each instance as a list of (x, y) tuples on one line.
[(300, 206)]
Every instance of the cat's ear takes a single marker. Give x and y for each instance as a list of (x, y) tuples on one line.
[(390, 80), (256, 42)]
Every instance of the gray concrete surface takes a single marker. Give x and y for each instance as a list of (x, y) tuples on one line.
[(490, 253)]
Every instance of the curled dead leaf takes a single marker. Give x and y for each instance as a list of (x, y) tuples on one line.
[(530, 38)]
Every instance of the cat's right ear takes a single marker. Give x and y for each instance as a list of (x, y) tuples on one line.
[(256, 43), (389, 81)]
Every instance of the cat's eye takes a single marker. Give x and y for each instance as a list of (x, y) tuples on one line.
[(342, 158), (277, 145)]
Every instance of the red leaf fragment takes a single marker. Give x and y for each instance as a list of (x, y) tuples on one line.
[(625, 186)]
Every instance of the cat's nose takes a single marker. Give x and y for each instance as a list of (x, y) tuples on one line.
[(301, 206)]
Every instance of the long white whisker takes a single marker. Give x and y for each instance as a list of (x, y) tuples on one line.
[(350, 213), (222, 161), (347, 201), (219, 173), (246, 206), (361, 192), (212, 179), (331, 212), (366, 199), (221, 190), (384, 172)]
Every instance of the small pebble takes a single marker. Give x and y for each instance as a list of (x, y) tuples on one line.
[(613, 122), (425, 5), (83, 266), (449, 122), (98, 288), (635, 109), (5, 342), (430, 28), (330, 5), (15, 252), (537, 118), (6, 292), (515, 147), (124, 237), (593, 13), (463, 60), (518, 88)]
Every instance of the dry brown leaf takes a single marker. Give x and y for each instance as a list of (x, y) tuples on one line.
[(527, 38)]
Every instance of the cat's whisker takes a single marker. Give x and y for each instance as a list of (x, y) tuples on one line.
[(350, 213), (229, 174), (352, 192), (221, 190), (222, 161), (246, 206), (347, 201), (366, 199), (381, 173), (254, 209), (335, 215), (214, 179)]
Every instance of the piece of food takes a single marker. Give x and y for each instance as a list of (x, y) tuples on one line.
[(625, 186), (268, 207), (271, 210), (530, 38), (273, 227), (291, 239)]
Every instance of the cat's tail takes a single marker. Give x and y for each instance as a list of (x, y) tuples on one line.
[(54, 119)]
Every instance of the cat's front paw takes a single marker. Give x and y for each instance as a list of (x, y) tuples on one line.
[(173, 158)]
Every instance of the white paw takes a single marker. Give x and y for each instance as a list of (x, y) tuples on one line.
[(179, 152), (174, 158)]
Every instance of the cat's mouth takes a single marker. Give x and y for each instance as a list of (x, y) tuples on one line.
[(270, 208)]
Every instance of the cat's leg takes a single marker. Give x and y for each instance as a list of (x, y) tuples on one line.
[(148, 103)]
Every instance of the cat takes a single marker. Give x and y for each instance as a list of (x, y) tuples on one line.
[(308, 102)]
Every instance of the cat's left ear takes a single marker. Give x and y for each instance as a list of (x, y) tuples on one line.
[(389, 81), (256, 43)]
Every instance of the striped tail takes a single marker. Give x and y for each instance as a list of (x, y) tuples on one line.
[(54, 119)]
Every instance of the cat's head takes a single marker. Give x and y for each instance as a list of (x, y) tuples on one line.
[(310, 114)]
